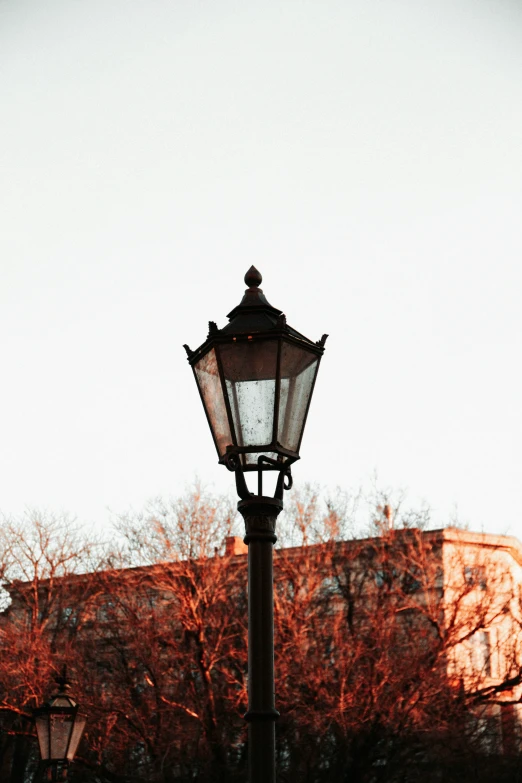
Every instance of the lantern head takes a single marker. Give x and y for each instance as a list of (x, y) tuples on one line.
[(256, 376), (59, 726)]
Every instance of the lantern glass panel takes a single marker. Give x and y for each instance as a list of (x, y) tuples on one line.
[(249, 368), (298, 370), (42, 730), (63, 701), (60, 728), (209, 382), (79, 725), (252, 459)]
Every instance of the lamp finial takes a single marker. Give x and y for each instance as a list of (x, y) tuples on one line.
[(62, 681), (253, 278)]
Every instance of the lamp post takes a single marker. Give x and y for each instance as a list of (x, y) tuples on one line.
[(59, 726), (256, 376)]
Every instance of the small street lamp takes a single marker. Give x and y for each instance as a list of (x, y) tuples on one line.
[(59, 726), (256, 376)]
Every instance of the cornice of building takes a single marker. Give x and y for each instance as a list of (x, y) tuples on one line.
[(489, 541)]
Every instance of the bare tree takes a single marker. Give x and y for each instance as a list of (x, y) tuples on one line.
[(42, 556), (377, 680), (395, 652)]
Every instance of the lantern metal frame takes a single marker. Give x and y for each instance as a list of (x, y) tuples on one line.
[(255, 320), (55, 708)]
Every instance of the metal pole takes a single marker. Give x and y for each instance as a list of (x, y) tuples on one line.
[(260, 514), (58, 771)]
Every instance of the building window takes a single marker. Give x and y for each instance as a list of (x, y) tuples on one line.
[(411, 581), (386, 576), (481, 653), (509, 723), (329, 586), (68, 616), (105, 611), (475, 576)]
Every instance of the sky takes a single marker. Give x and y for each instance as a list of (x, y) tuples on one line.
[(364, 155)]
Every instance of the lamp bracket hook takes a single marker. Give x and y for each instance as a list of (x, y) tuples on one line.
[(284, 481)]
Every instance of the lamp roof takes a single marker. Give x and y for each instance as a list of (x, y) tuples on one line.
[(254, 314), (61, 699)]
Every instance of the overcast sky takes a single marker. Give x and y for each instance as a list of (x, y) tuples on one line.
[(365, 155)]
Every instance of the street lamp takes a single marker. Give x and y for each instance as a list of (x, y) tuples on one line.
[(256, 376), (59, 726)]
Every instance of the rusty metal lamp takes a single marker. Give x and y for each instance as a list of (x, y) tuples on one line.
[(256, 377), (59, 726)]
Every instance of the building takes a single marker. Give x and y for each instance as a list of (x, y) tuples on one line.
[(409, 641)]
